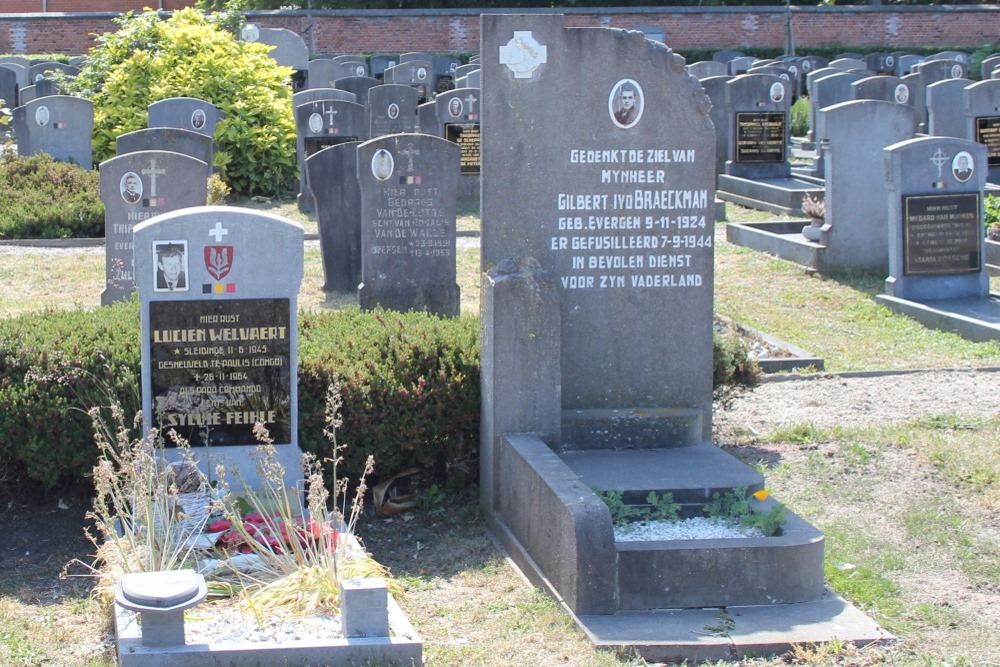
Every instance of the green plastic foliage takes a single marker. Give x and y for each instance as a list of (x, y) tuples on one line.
[(188, 55)]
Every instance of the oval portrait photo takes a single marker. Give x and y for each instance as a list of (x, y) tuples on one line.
[(962, 166), (315, 123), (382, 164), (131, 187), (625, 103)]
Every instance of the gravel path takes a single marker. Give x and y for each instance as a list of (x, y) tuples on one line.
[(861, 399)]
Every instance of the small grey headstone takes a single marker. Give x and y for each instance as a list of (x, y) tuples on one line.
[(136, 187), (741, 64), (8, 87), (289, 49), (715, 88), (313, 94), (458, 115), (409, 188), (988, 66), (757, 107), (21, 71), (885, 88), (173, 139), (935, 198), (222, 355), (59, 125), (187, 113), (319, 124), (726, 56), (416, 73), (945, 109), (707, 68), (392, 108), (378, 64), (906, 62), (333, 179)]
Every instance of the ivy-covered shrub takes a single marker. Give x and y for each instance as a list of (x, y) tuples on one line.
[(42, 198), (189, 55), (409, 384)]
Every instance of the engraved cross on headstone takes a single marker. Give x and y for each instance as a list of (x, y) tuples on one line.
[(218, 232), (471, 101), (330, 113), (939, 159), (409, 152), (153, 172)]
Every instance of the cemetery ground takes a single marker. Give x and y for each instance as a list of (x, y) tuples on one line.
[(899, 470)]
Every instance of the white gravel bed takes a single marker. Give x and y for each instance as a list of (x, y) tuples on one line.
[(696, 528), (218, 624)]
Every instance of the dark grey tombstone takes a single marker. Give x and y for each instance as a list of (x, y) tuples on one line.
[(906, 63), (333, 180), (848, 55), (458, 114), (945, 109), (715, 88), (39, 71), (812, 63), (325, 73), (475, 59), (473, 79), (358, 85), (8, 88), (319, 124), (462, 70), (392, 110), (757, 109), (289, 50), (173, 139), (416, 73), (959, 56), (816, 74), (27, 94), (931, 71), (988, 66), (444, 72), (741, 64), (827, 91), (21, 71), (981, 104), (881, 63), (136, 187), (313, 94), (222, 355), (44, 88), (187, 113), (883, 87), (726, 56), (852, 136), (377, 65), (849, 64), (412, 56), (78, 61), (783, 73), (59, 125), (707, 68), (935, 193), (16, 60), (409, 186), (427, 120)]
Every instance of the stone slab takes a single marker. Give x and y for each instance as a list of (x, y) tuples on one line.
[(782, 196), (691, 474), (976, 319), (403, 647), (677, 635), (781, 239)]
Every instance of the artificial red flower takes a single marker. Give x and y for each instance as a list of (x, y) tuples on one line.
[(219, 526), (255, 517)]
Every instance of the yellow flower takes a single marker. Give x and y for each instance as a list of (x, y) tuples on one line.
[(761, 495)]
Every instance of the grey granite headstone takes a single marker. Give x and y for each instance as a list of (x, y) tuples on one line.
[(173, 139), (136, 187), (187, 113), (8, 87), (333, 179), (392, 108), (881, 63), (850, 64), (416, 73), (16, 60), (757, 108), (44, 70), (741, 64), (726, 56), (313, 94), (319, 124), (427, 120), (616, 206), (411, 56), (931, 70), (906, 63), (409, 187), (458, 114), (851, 55), (289, 50), (826, 91), (812, 63), (981, 106), (959, 56), (27, 94), (946, 110), (444, 72), (988, 65), (59, 125), (324, 73), (935, 193), (222, 355), (715, 88), (473, 79), (885, 88), (707, 68), (378, 64), (359, 86), (462, 70), (852, 135)]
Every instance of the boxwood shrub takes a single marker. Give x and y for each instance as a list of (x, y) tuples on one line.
[(409, 383), (42, 198)]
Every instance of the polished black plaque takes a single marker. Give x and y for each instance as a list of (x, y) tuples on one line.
[(760, 137), (988, 133), (219, 367), (942, 234), (466, 135)]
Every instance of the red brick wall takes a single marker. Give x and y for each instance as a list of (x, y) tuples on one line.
[(458, 31)]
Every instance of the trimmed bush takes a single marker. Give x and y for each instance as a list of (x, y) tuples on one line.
[(409, 383), (799, 117), (189, 55), (42, 198)]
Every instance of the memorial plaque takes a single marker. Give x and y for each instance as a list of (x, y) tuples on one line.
[(942, 234), (760, 137), (988, 134), (320, 124), (218, 368), (466, 135)]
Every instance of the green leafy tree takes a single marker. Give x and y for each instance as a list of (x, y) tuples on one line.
[(191, 55)]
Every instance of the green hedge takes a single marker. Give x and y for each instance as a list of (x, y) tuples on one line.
[(409, 382), (42, 198)]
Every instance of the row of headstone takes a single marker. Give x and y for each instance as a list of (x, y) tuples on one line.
[(22, 80)]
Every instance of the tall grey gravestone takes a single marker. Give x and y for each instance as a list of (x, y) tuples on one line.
[(981, 104), (459, 118), (757, 106), (220, 354), (416, 73), (852, 136), (8, 87), (136, 187), (59, 125), (319, 124), (409, 189), (333, 180), (188, 113), (392, 109), (945, 113), (935, 191)]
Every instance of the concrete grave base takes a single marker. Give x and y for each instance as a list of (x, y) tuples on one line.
[(792, 358), (731, 633), (976, 319), (778, 195), (781, 239), (402, 647), (992, 257)]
